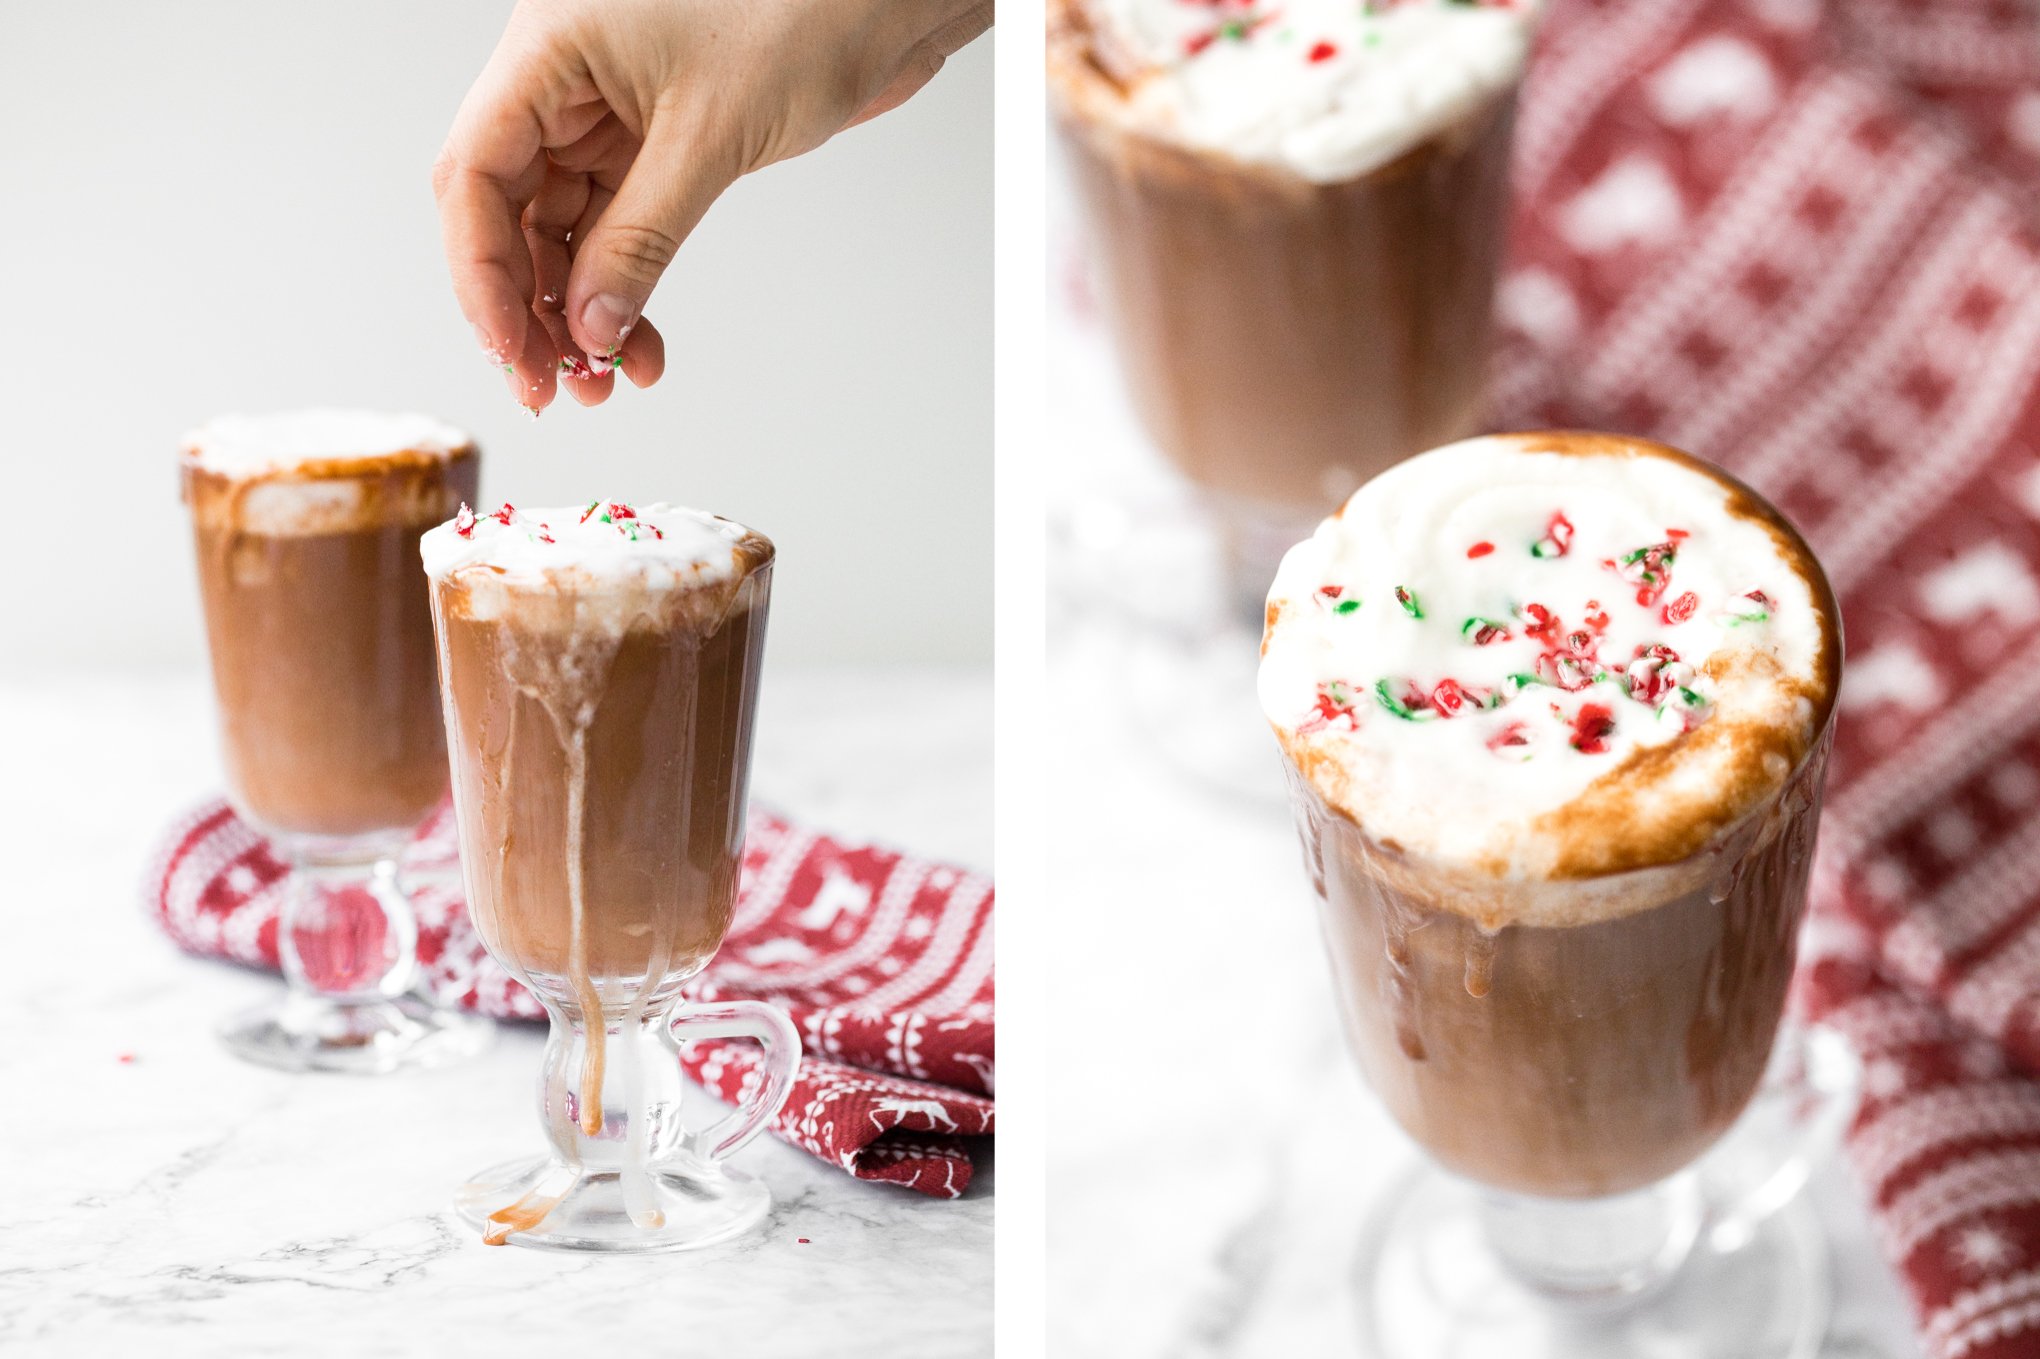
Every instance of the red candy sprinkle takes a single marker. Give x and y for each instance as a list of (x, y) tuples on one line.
[(1197, 42), (1680, 609), (1331, 591), (1323, 51), (1448, 698), (1480, 549), (127, 1059), (1591, 728), (505, 515), (1542, 623), (617, 511), (1677, 535), (464, 522), (1557, 539), (1334, 701), (1514, 736)]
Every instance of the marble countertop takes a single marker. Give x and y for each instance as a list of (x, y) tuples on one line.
[(161, 1194)]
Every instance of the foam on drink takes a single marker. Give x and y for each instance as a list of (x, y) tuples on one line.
[(1549, 656), (1328, 89)]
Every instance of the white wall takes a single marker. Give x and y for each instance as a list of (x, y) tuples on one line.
[(227, 205)]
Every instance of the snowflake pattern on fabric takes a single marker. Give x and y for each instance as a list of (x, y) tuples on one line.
[(1803, 239)]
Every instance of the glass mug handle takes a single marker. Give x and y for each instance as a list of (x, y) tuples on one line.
[(1808, 1097), (773, 1032)]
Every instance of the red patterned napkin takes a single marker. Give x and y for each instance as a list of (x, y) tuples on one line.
[(1802, 239), (883, 961)]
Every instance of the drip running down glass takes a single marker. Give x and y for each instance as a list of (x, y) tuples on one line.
[(1556, 711), (599, 668), (307, 527)]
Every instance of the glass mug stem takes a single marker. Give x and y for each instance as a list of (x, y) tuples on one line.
[(1602, 1252), (347, 933), (625, 1172), (347, 939)]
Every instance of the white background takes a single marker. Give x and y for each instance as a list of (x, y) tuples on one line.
[(217, 206)]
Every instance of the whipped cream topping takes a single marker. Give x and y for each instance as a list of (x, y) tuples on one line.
[(656, 545), (1472, 658), (265, 445), (1327, 88)]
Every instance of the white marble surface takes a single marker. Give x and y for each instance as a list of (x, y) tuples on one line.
[(1218, 1151), (191, 1205)]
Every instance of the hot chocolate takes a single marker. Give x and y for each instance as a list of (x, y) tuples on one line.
[(1298, 210), (307, 530), (1556, 709), (600, 671)]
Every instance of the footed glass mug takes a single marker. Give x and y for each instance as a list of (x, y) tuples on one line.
[(599, 702), (1616, 1101), (1562, 889), (307, 527)]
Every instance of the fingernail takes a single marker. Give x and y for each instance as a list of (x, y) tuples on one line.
[(608, 316)]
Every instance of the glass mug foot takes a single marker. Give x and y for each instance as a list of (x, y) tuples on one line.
[(679, 1206), (1428, 1287), (306, 1032), (348, 941), (1449, 1268)]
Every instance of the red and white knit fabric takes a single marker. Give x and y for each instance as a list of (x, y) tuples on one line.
[(1802, 238), (882, 960)]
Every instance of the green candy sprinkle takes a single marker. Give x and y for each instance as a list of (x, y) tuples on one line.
[(1392, 703), (1408, 602), (1346, 606)]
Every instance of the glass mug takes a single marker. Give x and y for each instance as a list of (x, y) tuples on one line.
[(600, 730), (321, 643), (1283, 339), (1610, 1098)]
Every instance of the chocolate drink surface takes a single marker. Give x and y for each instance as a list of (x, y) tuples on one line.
[(599, 696), (1297, 255), (307, 528), (1556, 709)]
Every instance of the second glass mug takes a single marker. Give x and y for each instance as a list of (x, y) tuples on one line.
[(1284, 339), (1575, 1077), (321, 649), (600, 733)]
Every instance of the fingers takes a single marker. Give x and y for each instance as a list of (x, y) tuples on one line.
[(669, 186), (644, 355), (548, 218), (491, 166), (533, 376)]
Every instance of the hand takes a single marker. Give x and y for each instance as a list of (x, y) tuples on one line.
[(599, 134)]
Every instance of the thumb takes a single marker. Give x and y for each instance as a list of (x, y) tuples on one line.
[(670, 184)]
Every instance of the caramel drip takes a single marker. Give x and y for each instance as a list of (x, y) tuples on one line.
[(595, 1024), (1480, 962), (520, 1216), (635, 1177), (1397, 925)]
